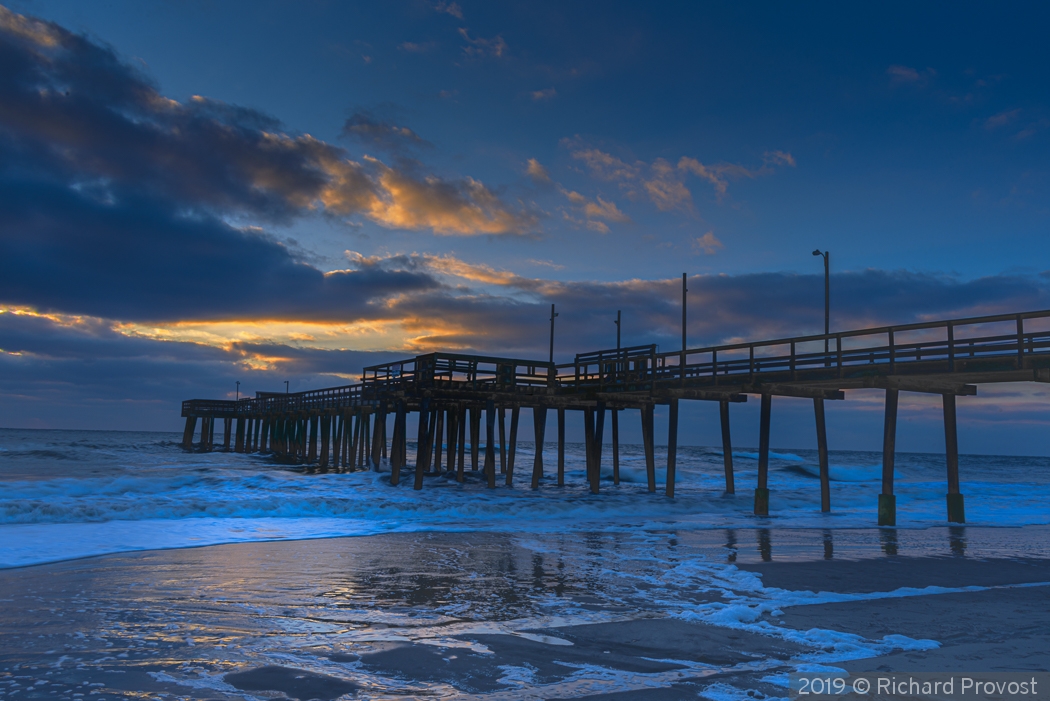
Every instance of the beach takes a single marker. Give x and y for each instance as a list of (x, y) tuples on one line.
[(501, 616), (130, 568)]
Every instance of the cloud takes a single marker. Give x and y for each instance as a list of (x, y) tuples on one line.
[(481, 47), (662, 183), (73, 113), (417, 48), (708, 244), (363, 125), (906, 75), (535, 170), (543, 95), (449, 8), (595, 210), (1001, 119)]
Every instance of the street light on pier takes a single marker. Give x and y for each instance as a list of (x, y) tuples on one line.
[(617, 322), (553, 315), (827, 295), (286, 386), (238, 390)]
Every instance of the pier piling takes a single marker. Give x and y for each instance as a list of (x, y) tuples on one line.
[(727, 446), (762, 490), (887, 500), (672, 445), (956, 511), (822, 455)]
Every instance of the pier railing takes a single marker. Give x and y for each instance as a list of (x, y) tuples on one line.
[(975, 344)]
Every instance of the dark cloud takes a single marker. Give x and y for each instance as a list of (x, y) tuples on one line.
[(73, 112), (382, 134)]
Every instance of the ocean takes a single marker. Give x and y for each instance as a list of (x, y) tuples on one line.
[(373, 591)]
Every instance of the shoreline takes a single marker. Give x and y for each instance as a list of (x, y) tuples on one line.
[(487, 615)]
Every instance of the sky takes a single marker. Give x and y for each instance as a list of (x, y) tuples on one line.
[(195, 194)]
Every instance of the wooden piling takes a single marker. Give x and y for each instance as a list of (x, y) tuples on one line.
[(648, 426), (462, 441), (822, 455), (187, 433), (887, 500), (762, 490), (421, 442), (450, 437), (672, 445), (727, 446), (502, 440), (588, 443), (396, 454), (311, 455), (561, 447), (266, 440), (238, 446), (490, 443), (956, 511), (539, 428), (363, 458), (475, 436), (599, 431), (326, 440), (616, 445), (512, 449), (377, 436), (438, 431)]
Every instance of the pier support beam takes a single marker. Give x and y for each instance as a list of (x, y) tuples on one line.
[(238, 446), (956, 511), (599, 433), (727, 446), (512, 449), (822, 455), (887, 501), (266, 441), (311, 455), (490, 443), (437, 429), (326, 441), (502, 440), (450, 439), (672, 445), (762, 490), (421, 442), (462, 421), (648, 424), (378, 437), (588, 443), (561, 447), (475, 436), (397, 453), (187, 433), (616, 444), (539, 428)]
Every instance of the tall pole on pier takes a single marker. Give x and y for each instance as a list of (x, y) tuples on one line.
[(827, 294), (617, 322), (238, 390), (553, 314), (684, 290)]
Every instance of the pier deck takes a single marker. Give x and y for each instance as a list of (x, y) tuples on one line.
[(345, 427)]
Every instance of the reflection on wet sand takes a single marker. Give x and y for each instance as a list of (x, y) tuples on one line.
[(476, 613)]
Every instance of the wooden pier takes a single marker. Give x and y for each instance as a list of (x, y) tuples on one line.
[(345, 428)]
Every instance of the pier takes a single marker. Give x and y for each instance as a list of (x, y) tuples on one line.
[(345, 428)]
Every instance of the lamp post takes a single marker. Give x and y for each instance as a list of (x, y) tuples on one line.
[(553, 315), (827, 295), (286, 386), (617, 322), (238, 390)]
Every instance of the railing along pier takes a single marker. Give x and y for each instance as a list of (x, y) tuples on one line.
[(345, 428)]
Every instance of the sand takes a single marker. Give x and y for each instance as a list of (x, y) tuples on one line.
[(492, 616)]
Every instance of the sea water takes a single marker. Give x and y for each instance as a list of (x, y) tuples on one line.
[(450, 563), (71, 494)]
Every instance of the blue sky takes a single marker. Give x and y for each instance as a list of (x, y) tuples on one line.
[(202, 192)]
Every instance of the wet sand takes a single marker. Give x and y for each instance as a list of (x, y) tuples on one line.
[(508, 617)]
